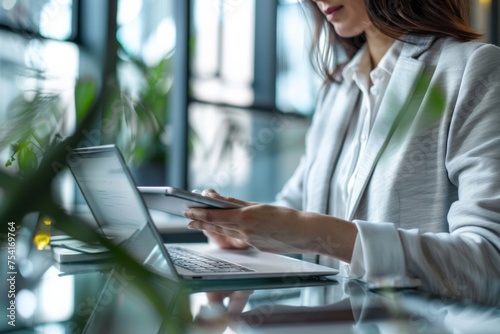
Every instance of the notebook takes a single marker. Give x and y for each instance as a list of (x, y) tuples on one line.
[(121, 214)]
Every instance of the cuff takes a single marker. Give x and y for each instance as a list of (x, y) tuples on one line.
[(378, 256)]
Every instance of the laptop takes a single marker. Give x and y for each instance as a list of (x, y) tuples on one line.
[(121, 214)]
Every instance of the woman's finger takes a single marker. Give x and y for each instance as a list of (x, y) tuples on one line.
[(214, 194), (206, 192), (223, 217)]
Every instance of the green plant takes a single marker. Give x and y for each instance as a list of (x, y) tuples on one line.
[(141, 132), (33, 125), (38, 140), (33, 192), (39, 143), (136, 124)]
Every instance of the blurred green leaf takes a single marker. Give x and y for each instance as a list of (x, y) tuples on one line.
[(27, 160), (85, 93), (437, 104)]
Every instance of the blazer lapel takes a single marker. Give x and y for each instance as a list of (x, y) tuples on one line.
[(405, 77), (321, 170)]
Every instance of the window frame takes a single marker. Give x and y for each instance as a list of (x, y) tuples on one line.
[(72, 38)]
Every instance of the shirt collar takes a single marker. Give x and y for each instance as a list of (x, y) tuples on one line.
[(360, 64)]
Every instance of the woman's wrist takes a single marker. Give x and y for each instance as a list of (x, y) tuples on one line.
[(327, 235)]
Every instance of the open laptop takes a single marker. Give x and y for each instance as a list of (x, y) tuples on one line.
[(120, 211)]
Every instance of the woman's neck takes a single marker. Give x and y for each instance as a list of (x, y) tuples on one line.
[(378, 44)]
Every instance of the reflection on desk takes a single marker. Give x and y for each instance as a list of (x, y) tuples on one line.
[(99, 300)]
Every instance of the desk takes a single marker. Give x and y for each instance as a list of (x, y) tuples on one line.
[(94, 298)]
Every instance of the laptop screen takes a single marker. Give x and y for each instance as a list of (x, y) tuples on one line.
[(113, 198)]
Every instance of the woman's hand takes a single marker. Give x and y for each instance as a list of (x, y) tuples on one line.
[(223, 310), (266, 227), (221, 240), (276, 229)]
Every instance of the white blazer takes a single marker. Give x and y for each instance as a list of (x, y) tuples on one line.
[(427, 197)]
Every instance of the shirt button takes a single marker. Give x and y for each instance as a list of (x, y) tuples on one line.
[(363, 138)]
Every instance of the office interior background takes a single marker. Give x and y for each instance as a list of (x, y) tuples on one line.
[(226, 85)]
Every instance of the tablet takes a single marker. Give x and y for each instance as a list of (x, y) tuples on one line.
[(176, 201)]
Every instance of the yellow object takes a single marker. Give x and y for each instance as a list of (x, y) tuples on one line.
[(42, 236), (41, 240)]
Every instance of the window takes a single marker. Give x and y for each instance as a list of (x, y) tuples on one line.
[(296, 81), (251, 87), (485, 19), (146, 29), (222, 63), (47, 18), (147, 37)]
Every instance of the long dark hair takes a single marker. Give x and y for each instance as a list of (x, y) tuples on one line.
[(394, 18)]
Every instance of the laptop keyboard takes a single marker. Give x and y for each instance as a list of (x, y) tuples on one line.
[(202, 264)]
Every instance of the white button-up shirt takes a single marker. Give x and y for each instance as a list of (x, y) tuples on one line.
[(372, 84)]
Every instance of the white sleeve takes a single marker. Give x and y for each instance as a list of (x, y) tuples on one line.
[(378, 256), (460, 266)]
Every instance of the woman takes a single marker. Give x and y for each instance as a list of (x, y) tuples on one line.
[(401, 175)]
